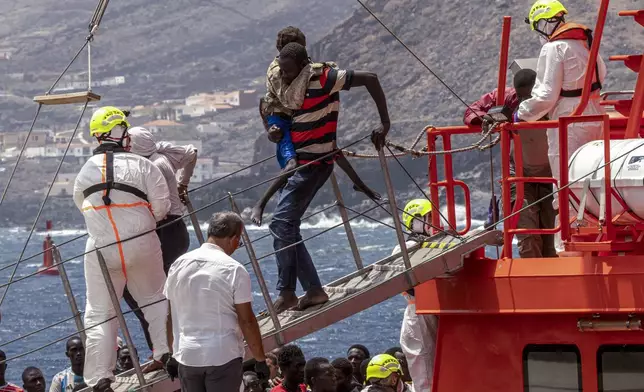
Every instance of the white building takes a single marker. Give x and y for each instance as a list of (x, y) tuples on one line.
[(204, 170), (162, 125), (216, 127), (75, 150), (192, 111), (196, 143), (64, 185)]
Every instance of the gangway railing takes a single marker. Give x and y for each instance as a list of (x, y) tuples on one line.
[(278, 329)]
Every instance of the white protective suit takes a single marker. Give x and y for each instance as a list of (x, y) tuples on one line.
[(418, 342), (137, 262), (562, 65)]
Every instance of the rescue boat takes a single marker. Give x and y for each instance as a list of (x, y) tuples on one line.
[(505, 324), (554, 324)]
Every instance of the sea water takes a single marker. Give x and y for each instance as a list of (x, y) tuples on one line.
[(40, 301)]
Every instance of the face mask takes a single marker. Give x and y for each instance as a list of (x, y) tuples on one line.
[(547, 28), (418, 225)]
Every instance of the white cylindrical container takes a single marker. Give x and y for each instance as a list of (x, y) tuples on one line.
[(627, 172)]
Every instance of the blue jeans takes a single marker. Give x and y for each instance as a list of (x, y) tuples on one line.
[(295, 262)]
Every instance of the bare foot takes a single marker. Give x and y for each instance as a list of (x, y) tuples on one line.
[(285, 301), (370, 193), (256, 214), (314, 296)]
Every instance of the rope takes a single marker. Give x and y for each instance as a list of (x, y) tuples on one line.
[(43, 252), (38, 331), (313, 236), (77, 332), (232, 174), (404, 150), (434, 207), (96, 19), (181, 217), (304, 218), (22, 150), (364, 215), (87, 40), (42, 206), (494, 209), (476, 146), (415, 56)]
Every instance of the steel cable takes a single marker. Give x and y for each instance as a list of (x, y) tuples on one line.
[(42, 206), (12, 281)]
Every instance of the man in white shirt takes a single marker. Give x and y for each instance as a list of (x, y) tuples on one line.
[(215, 313)]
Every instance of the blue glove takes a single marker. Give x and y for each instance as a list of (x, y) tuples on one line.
[(492, 213)]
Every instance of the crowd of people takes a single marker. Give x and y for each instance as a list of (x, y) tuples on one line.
[(287, 370), (68, 380), (196, 307)]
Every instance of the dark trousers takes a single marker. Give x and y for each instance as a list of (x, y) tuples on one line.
[(295, 262), (224, 378), (539, 216), (175, 241)]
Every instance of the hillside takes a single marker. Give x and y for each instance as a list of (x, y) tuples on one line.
[(165, 49), (168, 49), (460, 42)]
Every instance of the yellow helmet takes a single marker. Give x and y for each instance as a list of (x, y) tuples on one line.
[(106, 118), (382, 366), (416, 208), (544, 9)]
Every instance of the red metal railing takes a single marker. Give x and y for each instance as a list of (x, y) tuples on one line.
[(508, 133)]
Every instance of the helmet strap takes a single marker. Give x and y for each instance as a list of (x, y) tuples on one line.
[(556, 19), (122, 141)]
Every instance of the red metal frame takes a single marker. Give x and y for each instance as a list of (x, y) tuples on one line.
[(503, 60), (638, 15), (637, 107), (449, 183), (606, 230), (592, 59)]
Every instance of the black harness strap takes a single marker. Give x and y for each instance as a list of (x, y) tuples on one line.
[(109, 183)]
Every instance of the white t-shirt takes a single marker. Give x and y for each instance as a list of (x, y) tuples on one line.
[(203, 287)]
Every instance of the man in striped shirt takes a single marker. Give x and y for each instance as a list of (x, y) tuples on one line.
[(313, 133)]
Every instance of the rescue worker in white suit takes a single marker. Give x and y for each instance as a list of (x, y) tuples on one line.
[(418, 332), (121, 195), (561, 69)]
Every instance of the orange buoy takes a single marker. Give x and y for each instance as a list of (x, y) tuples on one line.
[(48, 255)]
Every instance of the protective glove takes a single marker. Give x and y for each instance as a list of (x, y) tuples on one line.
[(262, 370), (171, 366)]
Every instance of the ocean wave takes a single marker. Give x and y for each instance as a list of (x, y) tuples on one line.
[(329, 220), (61, 233)]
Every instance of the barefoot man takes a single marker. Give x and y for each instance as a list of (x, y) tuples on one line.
[(313, 132)]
